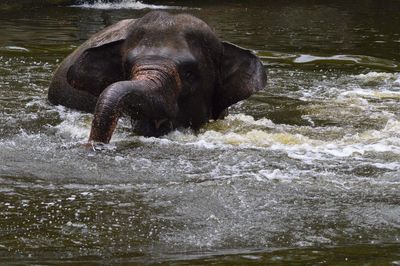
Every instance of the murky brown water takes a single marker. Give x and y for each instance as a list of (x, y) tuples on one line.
[(305, 172)]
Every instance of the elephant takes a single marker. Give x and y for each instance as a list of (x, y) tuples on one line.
[(166, 71)]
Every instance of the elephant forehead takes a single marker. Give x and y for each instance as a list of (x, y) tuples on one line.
[(167, 38), (160, 20), (168, 51)]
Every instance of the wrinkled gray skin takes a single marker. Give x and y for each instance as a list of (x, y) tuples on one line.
[(164, 71)]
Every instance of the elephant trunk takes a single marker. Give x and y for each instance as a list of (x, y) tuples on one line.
[(139, 98)]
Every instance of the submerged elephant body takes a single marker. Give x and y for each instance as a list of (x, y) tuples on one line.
[(164, 71)]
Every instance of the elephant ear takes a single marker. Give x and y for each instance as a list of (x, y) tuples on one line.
[(98, 61), (242, 75)]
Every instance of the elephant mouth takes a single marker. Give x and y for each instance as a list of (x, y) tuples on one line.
[(152, 128)]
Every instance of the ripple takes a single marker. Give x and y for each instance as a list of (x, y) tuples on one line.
[(124, 4), (338, 60), (14, 49)]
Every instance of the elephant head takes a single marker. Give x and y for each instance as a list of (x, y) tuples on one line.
[(164, 71)]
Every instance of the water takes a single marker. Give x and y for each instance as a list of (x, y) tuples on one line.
[(305, 172)]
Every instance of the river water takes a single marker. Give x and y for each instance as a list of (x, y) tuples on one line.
[(305, 172)]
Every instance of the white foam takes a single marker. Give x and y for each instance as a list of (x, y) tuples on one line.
[(374, 94), (247, 119), (390, 166), (397, 81), (379, 85), (124, 4), (275, 174), (393, 126), (297, 146), (246, 132), (255, 138), (379, 78)]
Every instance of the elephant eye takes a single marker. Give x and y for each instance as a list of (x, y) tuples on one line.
[(189, 70), (188, 74)]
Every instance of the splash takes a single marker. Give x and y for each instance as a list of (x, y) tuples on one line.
[(379, 79), (245, 132), (124, 4), (74, 126)]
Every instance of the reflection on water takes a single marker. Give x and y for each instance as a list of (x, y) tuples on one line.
[(339, 60), (306, 171), (123, 4)]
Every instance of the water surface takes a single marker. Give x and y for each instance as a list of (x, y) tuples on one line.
[(306, 171)]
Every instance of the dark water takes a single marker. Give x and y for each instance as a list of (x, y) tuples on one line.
[(305, 172)]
